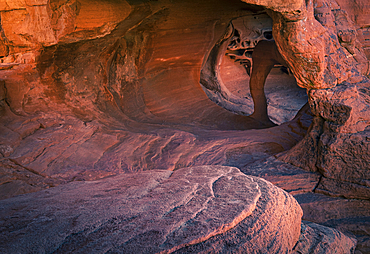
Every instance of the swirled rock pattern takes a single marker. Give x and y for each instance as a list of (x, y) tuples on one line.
[(207, 208), (126, 100), (91, 89)]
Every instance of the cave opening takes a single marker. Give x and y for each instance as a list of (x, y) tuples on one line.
[(233, 67)]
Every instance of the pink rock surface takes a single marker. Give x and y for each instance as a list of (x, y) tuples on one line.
[(347, 215), (252, 234), (292, 179), (16, 179), (154, 211), (318, 239), (90, 89)]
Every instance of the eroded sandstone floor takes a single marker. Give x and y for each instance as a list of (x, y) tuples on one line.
[(98, 94)]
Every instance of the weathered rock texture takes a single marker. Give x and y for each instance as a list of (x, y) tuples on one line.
[(238, 43), (29, 24), (321, 50), (320, 239), (322, 46), (319, 42), (358, 12), (347, 215), (209, 209), (90, 89), (125, 101)]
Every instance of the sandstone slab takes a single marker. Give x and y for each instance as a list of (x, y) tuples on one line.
[(347, 215), (16, 179), (346, 157), (337, 188), (275, 212), (286, 176), (151, 212), (57, 148), (318, 239)]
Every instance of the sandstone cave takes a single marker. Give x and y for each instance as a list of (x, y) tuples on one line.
[(168, 126)]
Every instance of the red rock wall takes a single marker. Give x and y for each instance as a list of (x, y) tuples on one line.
[(132, 68), (92, 90), (358, 11), (127, 101)]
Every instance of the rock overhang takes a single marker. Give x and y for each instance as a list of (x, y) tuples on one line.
[(326, 114), (321, 45)]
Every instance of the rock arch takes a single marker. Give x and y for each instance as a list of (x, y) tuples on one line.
[(243, 36), (320, 44)]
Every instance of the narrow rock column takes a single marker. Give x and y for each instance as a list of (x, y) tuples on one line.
[(319, 42)]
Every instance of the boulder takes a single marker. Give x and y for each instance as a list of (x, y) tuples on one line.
[(207, 208), (338, 148)]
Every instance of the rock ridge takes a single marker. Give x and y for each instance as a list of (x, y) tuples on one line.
[(155, 211)]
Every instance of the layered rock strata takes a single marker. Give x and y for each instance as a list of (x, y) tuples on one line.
[(124, 101), (316, 238), (93, 90), (347, 215)]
